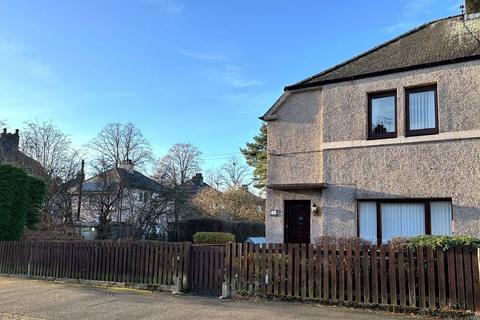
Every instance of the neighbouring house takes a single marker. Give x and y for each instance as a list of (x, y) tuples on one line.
[(187, 192), (10, 153), (384, 145), (122, 199)]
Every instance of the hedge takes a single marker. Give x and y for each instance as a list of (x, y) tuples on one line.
[(444, 242), (213, 237), (241, 229), (21, 196)]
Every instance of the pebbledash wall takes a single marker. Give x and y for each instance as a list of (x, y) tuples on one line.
[(320, 136)]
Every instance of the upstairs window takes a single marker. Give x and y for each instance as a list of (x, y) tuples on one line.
[(422, 111), (382, 111)]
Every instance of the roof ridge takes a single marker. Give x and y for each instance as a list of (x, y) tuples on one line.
[(363, 54)]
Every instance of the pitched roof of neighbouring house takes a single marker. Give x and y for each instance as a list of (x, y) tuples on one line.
[(440, 42), (192, 187), (133, 179)]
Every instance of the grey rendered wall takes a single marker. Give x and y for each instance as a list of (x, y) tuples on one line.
[(322, 134)]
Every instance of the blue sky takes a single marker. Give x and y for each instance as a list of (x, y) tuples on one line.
[(198, 71)]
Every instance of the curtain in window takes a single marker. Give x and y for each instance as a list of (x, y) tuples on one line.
[(368, 220), (422, 110), (441, 213), (402, 220)]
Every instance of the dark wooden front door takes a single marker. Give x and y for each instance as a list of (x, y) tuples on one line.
[(297, 221)]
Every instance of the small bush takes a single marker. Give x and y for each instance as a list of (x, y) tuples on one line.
[(444, 242), (241, 229), (213, 237)]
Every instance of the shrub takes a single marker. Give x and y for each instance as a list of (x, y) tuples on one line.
[(20, 198), (444, 242), (241, 229), (213, 237)]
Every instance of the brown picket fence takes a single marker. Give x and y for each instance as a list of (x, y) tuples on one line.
[(358, 274), (344, 273), (149, 263)]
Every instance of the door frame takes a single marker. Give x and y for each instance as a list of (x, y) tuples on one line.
[(285, 218)]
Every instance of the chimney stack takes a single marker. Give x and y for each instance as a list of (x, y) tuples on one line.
[(197, 179), (126, 165), (9, 141), (472, 9)]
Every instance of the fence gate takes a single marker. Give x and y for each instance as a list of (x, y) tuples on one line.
[(207, 269)]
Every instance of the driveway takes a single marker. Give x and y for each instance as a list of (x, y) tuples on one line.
[(33, 300)]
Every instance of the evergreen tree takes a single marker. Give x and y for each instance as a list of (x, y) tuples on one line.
[(256, 155)]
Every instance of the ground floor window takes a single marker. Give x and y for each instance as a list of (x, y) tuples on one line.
[(382, 220)]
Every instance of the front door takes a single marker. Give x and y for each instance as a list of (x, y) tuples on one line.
[(297, 221)]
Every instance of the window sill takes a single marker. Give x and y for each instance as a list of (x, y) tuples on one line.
[(445, 136)]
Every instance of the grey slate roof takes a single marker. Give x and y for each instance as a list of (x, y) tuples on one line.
[(440, 42), (134, 180)]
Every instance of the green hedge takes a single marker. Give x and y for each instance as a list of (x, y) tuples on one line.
[(213, 237), (241, 229), (21, 196), (444, 242)]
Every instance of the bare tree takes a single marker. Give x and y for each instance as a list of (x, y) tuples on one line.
[(48, 145), (233, 203), (121, 142), (234, 172), (178, 165), (103, 201), (3, 123), (153, 212), (111, 201), (215, 178), (174, 169)]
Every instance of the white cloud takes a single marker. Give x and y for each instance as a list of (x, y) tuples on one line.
[(203, 55), (231, 75), (234, 76), (24, 61)]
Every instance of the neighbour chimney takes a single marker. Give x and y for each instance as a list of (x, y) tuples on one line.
[(126, 165), (197, 178), (9, 141), (472, 9)]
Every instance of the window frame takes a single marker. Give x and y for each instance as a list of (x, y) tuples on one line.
[(420, 132), (425, 201), (375, 95)]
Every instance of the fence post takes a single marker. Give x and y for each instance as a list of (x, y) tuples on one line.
[(227, 263), (29, 266), (185, 285)]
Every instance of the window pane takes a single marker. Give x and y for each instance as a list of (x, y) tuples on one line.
[(368, 220), (421, 110), (441, 216), (402, 220), (383, 115)]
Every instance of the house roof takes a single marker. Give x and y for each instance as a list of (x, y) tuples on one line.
[(133, 179), (440, 42), (193, 186)]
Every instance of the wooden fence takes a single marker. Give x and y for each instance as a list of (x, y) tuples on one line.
[(207, 272), (149, 263), (351, 273), (342, 273)]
